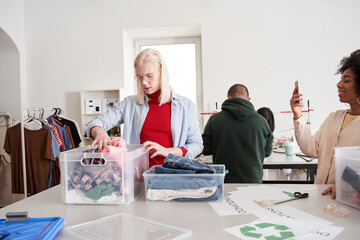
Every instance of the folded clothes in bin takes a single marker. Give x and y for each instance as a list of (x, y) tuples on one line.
[(80, 178), (92, 177), (177, 162), (184, 179)]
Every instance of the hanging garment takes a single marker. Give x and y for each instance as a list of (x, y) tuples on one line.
[(63, 132), (77, 129), (38, 156), (56, 154), (74, 131), (60, 141)]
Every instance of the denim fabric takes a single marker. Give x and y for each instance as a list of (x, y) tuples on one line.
[(163, 170), (178, 162), (185, 129), (183, 182)]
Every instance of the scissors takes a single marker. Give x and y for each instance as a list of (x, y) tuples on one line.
[(297, 195)]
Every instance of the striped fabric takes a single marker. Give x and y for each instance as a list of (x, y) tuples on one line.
[(56, 134)]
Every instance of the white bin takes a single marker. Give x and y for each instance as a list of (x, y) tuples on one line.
[(347, 170), (117, 180)]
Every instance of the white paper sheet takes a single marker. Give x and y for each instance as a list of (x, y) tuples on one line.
[(261, 192), (229, 207), (270, 227), (328, 233), (241, 201), (290, 224)]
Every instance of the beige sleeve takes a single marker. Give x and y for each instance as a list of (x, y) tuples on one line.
[(309, 144)]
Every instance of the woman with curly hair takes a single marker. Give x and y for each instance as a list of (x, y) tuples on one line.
[(340, 128)]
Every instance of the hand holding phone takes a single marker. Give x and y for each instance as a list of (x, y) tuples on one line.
[(297, 90)]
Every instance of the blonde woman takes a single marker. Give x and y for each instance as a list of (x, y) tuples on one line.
[(163, 121)]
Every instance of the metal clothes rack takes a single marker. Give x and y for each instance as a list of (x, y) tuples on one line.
[(28, 111)]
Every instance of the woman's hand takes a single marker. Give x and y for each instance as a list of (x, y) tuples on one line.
[(331, 190), (296, 104), (101, 138), (155, 149)]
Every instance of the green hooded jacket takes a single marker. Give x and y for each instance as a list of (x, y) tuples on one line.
[(240, 138)]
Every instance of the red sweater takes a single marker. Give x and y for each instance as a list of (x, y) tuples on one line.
[(157, 126)]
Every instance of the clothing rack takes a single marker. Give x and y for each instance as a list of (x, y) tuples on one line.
[(5, 115), (29, 111)]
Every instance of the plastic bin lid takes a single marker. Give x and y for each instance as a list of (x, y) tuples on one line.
[(126, 226), (34, 228)]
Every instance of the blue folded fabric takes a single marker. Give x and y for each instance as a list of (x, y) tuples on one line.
[(183, 182), (177, 162), (163, 170)]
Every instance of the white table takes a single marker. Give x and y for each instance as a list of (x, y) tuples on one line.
[(196, 216), (282, 161)]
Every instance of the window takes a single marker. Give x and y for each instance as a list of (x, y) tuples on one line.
[(183, 59)]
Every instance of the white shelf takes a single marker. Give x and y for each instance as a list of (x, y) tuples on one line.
[(86, 117)]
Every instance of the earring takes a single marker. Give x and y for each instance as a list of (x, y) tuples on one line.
[(357, 99)]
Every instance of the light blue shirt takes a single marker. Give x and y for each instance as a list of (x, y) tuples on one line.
[(185, 129)]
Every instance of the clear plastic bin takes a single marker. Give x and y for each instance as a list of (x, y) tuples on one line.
[(127, 227), (103, 178), (185, 187), (347, 173)]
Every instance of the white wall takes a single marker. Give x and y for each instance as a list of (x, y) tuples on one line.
[(12, 65), (266, 45), (9, 76), (12, 74)]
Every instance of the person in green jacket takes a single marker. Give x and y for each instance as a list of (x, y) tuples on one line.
[(238, 137)]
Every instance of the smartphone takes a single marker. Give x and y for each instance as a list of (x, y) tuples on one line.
[(297, 90)]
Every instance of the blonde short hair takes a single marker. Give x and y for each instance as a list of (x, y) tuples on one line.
[(150, 55)]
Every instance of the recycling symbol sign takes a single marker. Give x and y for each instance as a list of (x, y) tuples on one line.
[(259, 231)]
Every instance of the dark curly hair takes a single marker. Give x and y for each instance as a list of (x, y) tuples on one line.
[(352, 62)]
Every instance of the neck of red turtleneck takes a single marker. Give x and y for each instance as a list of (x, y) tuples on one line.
[(155, 95)]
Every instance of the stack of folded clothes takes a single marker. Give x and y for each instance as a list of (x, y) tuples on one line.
[(184, 179)]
